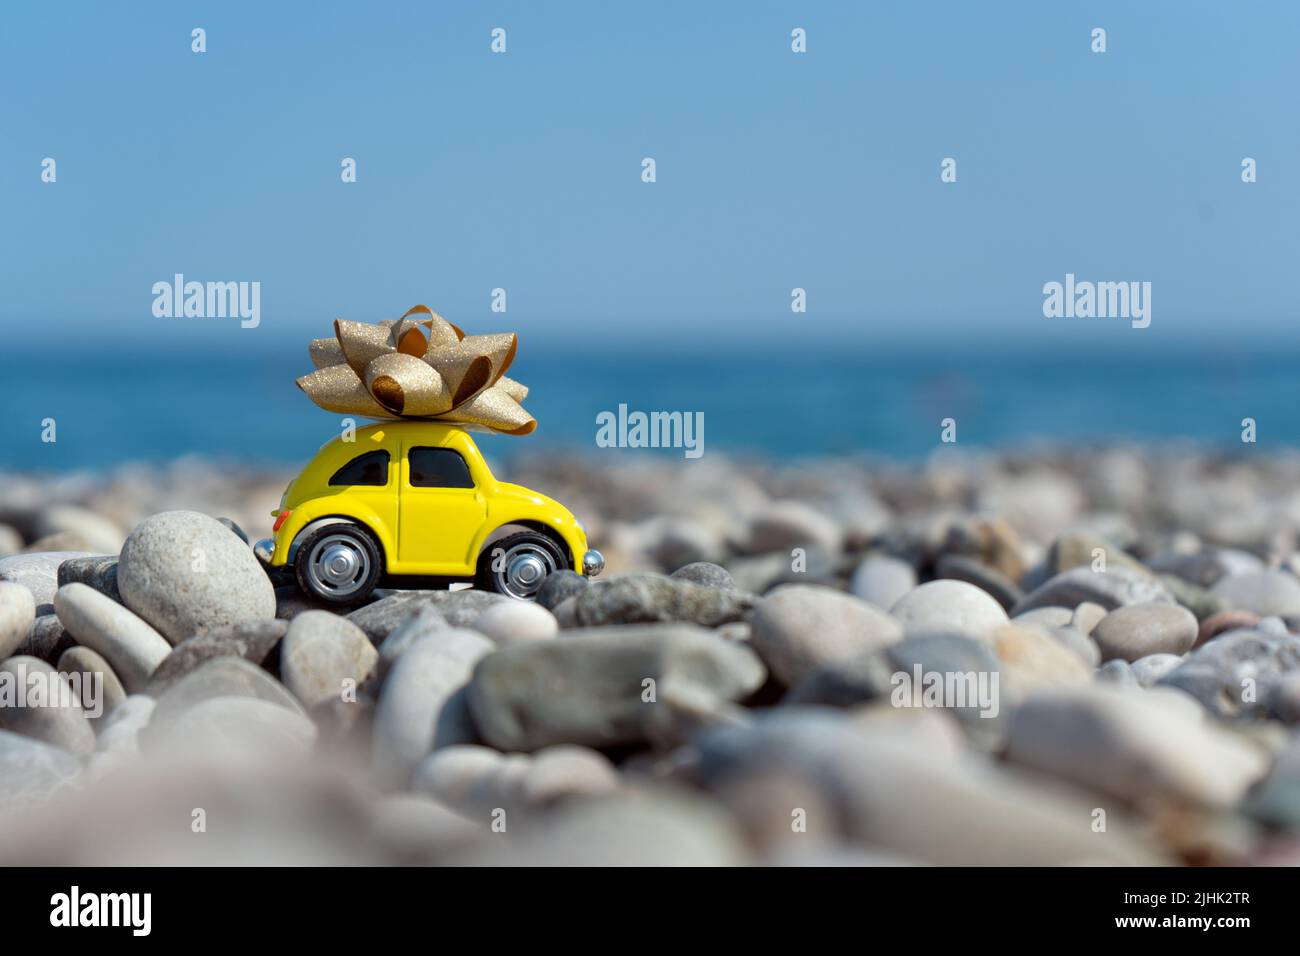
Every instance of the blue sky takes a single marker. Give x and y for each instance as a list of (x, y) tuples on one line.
[(775, 170)]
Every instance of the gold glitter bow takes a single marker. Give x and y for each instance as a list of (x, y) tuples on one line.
[(418, 368)]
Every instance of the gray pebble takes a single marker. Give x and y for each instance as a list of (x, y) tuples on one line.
[(98, 572), (1139, 630), (131, 646), (706, 573), (256, 642), (881, 580), (53, 715), (949, 607), (655, 599), (323, 656), (1110, 589), (17, 615), (558, 586), (958, 567)]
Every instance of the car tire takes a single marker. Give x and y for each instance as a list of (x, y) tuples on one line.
[(517, 564), (339, 564)]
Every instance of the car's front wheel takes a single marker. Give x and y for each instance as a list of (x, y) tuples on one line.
[(339, 564), (517, 565)]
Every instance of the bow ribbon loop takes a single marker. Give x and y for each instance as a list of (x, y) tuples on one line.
[(419, 367)]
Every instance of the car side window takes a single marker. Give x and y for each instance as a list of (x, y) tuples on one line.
[(439, 468), (368, 469)]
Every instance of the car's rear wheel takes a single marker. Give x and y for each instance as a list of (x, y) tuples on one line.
[(517, 565), (339, 564)]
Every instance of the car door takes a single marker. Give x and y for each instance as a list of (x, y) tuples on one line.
[(440, 511)]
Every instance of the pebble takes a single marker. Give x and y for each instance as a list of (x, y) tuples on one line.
[(221, 677), (131, 646), (1117, 672), (422, 705), (11, 542), (29, 687), (38, 573), (655, 599), (17, 615), (457, 608), (516, 622), (960, 568), (559, 586), (1032, 658), (1110, 589), (1199, 601), (566, 613), (798, 628), (415, 829), (950, 607), (888, 675), (706, 573), (1086, 617), (1048, 617), (1148, 670), (1079, 549), (789, 523), (1138, 630), (47, 639), (1223, 622), (1076, 642), (1133, 747), (95, 673), (925, 805), (1263, 592), (232, 725), (99, 572), (256, 641), (30, 771), (119, 731), (604, 687), (324, 657), (97, 532), (1205, 568), (881, 580), (183, 572)]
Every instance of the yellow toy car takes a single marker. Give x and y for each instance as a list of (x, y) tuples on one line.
[(415, 500)]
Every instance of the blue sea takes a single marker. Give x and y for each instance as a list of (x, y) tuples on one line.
[(114, 407)]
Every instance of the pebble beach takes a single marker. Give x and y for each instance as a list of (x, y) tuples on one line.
[(1114, 634)]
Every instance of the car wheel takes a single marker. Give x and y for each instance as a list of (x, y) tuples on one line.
[(517, 565), (339, 564)]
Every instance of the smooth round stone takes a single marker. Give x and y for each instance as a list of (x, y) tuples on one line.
[(797, 628), (1136, 747), (239, 725), (1151, 668), (221, 677), (132, 648), (99, 572), (254, 641), (1078, 548), (11, 542), (1076, 642), (1047, 617), (1117, 672), (1199, 601), (566, 613), (47, 639), (49, 711), (1032, 658), (323, 655), (565, 772), (1141, 629), (790, 523), (1206, 568), (560, 586), (958, 567), (589, 686), (422, 703), (17, 615), (1284, 699), (881, 580), (456, 775), (706, 573), (38, 573), (423, 624), (183, 572), (1273, 626), (1267, 593), (1086, 617), (656, 599), (457, 608), (1111, 589), (949, 607), (95, 673), (1224, 622), (31, 770), (98, 533), (516, 622)]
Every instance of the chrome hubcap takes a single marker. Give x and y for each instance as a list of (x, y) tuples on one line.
[(523, 569), (338, 565)]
